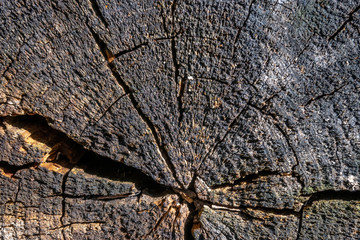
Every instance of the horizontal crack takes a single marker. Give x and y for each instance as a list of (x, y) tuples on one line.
[(103, 167), (111, 57), (286, 137), (130, 50), (97, 197), (345, 195), (73, 223), (11, 170), (285, 212), (250, 178), (90, 161)]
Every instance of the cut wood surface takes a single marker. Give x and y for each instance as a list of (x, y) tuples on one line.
[(179, 119)]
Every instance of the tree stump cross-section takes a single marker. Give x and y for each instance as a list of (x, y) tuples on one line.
[(178, 119)]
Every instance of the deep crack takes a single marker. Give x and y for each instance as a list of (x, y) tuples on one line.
[(287, 139), (96, 8), (130, 50), (300, 222), (11, 170), (163, 152)]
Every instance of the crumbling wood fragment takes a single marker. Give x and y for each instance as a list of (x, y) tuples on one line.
[(179, 119)]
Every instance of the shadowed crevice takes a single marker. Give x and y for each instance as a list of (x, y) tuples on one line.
[(190, 221), (96, 8), (11, 170), (163, 152), (345, 195), (68, 154)]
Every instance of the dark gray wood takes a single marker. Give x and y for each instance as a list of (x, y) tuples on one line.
[(179, 119)]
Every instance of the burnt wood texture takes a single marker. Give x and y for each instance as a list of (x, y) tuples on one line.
[(182, 119)]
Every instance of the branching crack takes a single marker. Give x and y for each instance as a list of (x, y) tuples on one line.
[(164, 154), (287, 139), (343, 25), (181, 83)]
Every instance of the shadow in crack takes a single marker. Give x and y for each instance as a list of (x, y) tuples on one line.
[(103, 167), (59, 151)]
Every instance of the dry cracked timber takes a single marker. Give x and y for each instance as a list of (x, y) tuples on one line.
[(179, 119)]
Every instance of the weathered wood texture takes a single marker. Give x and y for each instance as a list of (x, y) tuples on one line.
[(179, 119)]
